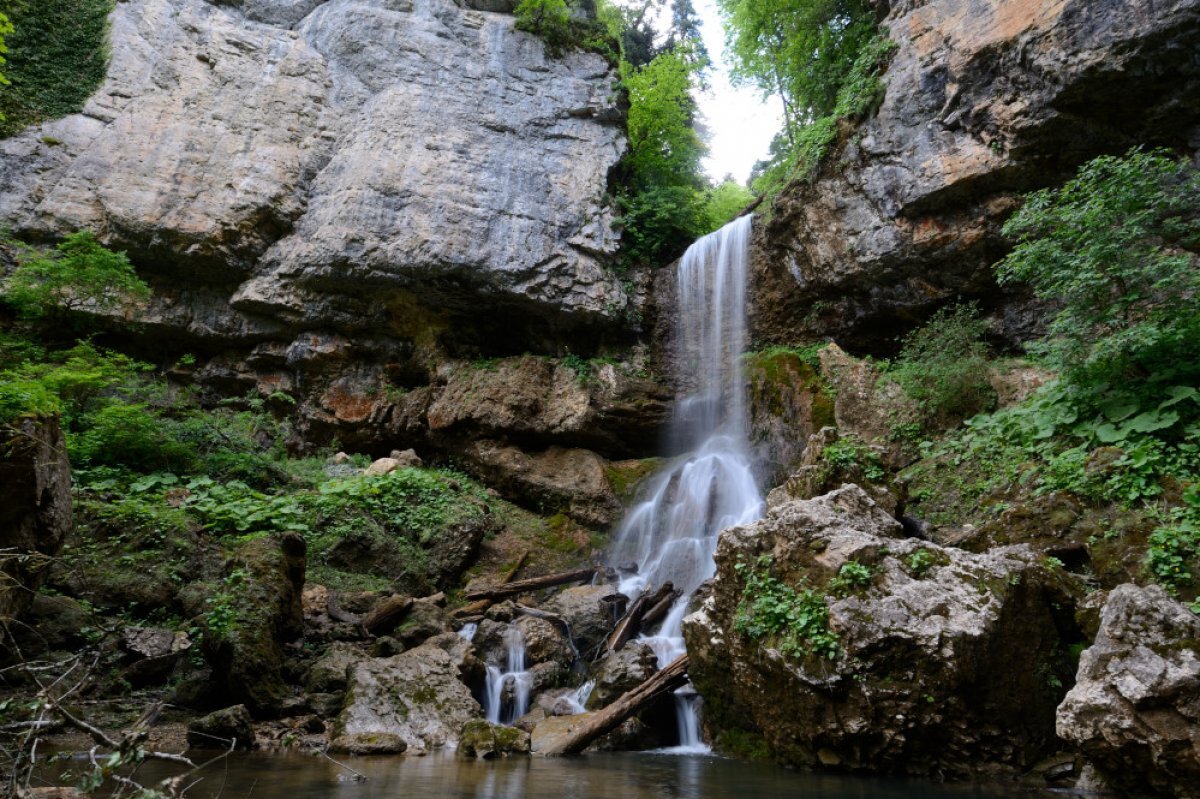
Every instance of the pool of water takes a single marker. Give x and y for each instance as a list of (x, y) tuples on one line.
[(594, 776)]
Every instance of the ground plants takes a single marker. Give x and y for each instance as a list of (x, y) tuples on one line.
[(796, 619)]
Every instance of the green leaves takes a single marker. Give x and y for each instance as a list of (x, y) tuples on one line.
[(79, 275), (797, 619), (57, 56), (1114, 248)]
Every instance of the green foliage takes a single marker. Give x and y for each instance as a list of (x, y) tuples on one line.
[(798, 151), (1115, 248), (1174, 547), (943, 365), (850, 577), (130, 436), (6, 27), (796, 619), (664, 148), (550, 19), (801, 50), (57, 56), (80, 275), (723, 202), (660, 222), (848, 454), (920, 561)]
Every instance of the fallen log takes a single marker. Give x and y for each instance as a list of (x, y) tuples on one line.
[(532, 584), (660, 609), (387, 614), (608, 719), (481, 606), (631, 623)]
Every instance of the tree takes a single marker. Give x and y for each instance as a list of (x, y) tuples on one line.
[(664, 148), (79, 275), (1116, 250), (6, 27), (800, 50)]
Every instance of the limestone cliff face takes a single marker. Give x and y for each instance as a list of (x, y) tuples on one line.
[(985, 99), (279, 167)]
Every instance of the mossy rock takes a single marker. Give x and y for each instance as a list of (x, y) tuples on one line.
[(483, 740)]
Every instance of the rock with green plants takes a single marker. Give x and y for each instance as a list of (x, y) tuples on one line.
[(845, 644)]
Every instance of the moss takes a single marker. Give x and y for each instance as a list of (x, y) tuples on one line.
[(778, 375), (626, 477), (743, 744)]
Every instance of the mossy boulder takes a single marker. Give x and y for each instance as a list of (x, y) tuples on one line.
[(250, 614), (844, 645), (219, 729), (483, 740)]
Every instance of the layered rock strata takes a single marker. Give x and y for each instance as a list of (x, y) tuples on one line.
[(985, 99)]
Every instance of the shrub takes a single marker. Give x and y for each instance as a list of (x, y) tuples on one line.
[(1115, 248), (943, 365), (79, 275)]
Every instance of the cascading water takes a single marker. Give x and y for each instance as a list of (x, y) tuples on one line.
[(671, 537), (506, 697)]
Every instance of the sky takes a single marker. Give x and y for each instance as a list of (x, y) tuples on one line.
[(740, 123)]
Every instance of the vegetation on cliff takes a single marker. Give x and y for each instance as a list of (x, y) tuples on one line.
[(1116, 250), (57, 54)]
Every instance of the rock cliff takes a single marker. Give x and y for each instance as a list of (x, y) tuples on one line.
[(279, 167), (985, 99)]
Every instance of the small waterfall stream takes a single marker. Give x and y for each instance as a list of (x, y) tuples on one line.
[(672, 535), (507, 694)]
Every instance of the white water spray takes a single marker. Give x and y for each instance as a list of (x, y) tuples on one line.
[(507, 692), (671, 537)]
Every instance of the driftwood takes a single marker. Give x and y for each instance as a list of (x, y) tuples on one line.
[(659, 610), (632, 621), (479, 607), (532, 584), (608, 719), (387, 614)]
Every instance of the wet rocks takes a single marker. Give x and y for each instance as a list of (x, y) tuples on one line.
[(1134, 711), (591, 611), (222, 729), (942, 661), (416, 696), (622, 671), (483, 740)]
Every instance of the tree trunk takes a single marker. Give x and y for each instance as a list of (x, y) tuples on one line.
[(532, 584)]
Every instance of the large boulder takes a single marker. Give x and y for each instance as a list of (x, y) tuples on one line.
[(1134, 712), (985, 99), (591, 612), (845, 645), (573, 481), (417, 697), (35, 507), (250, 615)]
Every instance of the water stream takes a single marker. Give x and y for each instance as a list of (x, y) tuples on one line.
[(709, 486), (507, 694)]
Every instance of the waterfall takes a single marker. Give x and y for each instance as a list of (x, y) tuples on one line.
[(672, 535), (506, 696)]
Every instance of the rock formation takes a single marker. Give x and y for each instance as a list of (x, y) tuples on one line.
[(946, 662), (1135, 709), (321, 164), (985, 99), (35, 508)]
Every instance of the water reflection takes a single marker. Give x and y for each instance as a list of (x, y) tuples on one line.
[(596, 776)]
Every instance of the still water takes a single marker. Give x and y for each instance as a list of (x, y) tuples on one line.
[(595, 776)]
